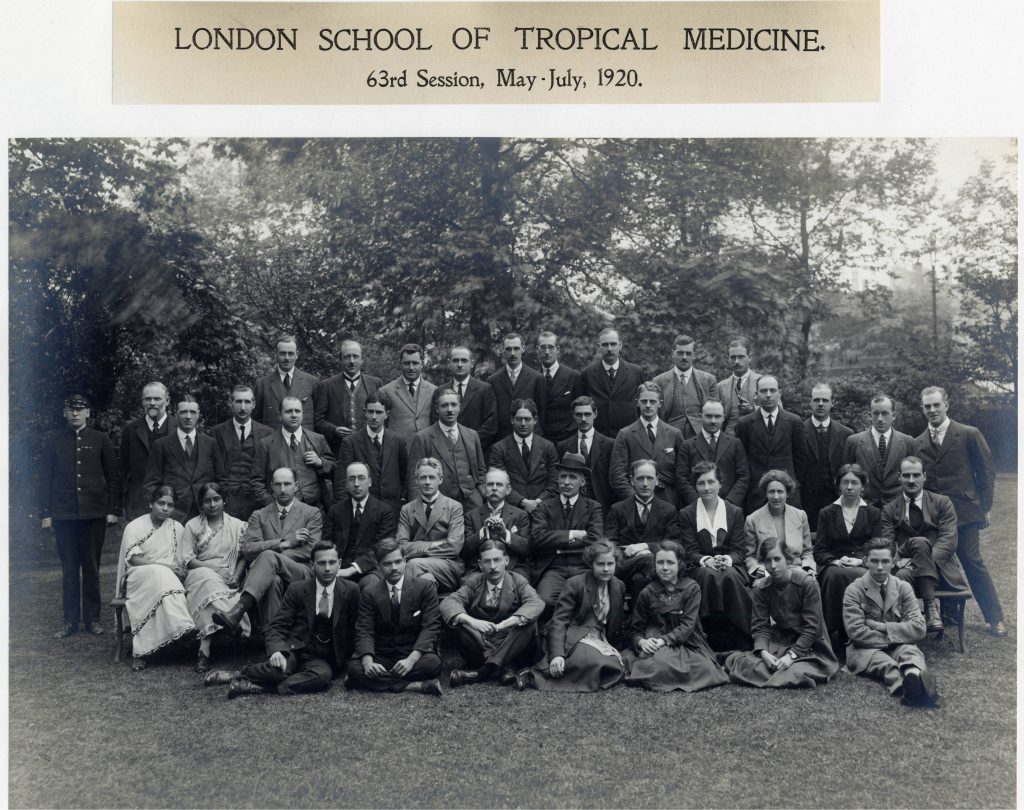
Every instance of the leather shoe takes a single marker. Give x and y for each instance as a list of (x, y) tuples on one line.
[(432, 687), (998, 630), (66, 630), (243, 686), (139, 664), (230, 620), (524, 679), (202, 663), (508, 678), (459, 677), (932, 617), (219, 677), (920, 689), (94, 628)]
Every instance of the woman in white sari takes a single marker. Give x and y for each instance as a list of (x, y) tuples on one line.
[(149, 575), (210, 553)]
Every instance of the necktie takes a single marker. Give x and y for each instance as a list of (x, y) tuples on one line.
[(650, 434), (739, 386), (611, 374), (713, 444), (283, 515), (513, 376), (294, 443), (934, 433), (526, 454), (547, 377), (881, 591), (771, 425), (288, 382), (643, 510), (324, 608), (358, 514), (492, 596), (152, 429), (352, 385), (602, 604), (412, 391), (566, 509), (462, 390), (396, 605), (188, 446), (583, 445), (453, 436), (377, 446), (916, 515), (241, 435), (822, 442), (427, 506), (881, 447)]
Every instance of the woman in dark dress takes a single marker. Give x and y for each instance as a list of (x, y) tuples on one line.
[(669, 649), (715, 547), (843, 529), (791, 648), (585, 630)]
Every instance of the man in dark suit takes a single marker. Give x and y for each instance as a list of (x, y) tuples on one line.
[(685, 389), (562, 385), (595, 447), (774, 440), (299, 449), (356, 524), (431, 530), (529, 459), (959, 465), (498, 520), (285, 380), (137, 439), (80, 495), (410, 395), (277, 545), (650, 438), (456, 447), (515, 382), (397, 630), (184, 459), (714, 445), (235, 444), (879, 451), (825, 449), (339, 401), (562, 527), (638, 523), (379, 449), (612, 382), (738, 391), (923, 526), (479, 409), (311, 638)]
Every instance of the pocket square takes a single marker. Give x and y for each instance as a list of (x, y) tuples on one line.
[(417, 613)]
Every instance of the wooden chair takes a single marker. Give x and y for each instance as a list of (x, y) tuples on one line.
[(122, 625), (953, 604)]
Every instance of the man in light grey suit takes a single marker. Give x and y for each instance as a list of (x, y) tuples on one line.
[(431, 530), (456, 447), (285, 380), (879, 451), (649, 437), (738, 392), (410, 395), (685, 389)]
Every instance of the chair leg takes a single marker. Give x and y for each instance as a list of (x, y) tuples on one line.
[(118, 633), (961, 605)]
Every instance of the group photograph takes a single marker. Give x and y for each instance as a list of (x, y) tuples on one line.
[(512, 472)]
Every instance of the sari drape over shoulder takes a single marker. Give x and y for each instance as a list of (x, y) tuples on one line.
[(206, 588)]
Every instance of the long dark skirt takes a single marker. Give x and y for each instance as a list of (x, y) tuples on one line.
[(688, 668), (832, 582), (587, 669), (725, 595), (819, 665)]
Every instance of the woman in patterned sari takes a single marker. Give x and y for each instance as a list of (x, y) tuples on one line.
[(149, 573), (210, 552)]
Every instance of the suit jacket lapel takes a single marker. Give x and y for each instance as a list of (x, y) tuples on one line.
[(311, 603), (952, 435), (506, 599), (277, 387), (811, 432), (142, 429), (892, 452)]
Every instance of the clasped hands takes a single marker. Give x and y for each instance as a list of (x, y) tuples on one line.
[(720, 562), (782, 662)]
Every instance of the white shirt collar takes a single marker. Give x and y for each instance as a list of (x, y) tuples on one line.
[(683, 376), (764, 414), (158, 424), (941, 429), (282, 374), (816, 424), (431, 501), (712, 522), (321, 589), (286, 509), (396, 587), (371, 434), (572, 500), (653, 423), (528, 440), (513, 373), (239, 425), (552, 369), (288, 436), (875, 434), (182, 434), (361, 504), (707, 436), (446, 430), (839, 502), (497, 509), (615, 365), (587, 434)]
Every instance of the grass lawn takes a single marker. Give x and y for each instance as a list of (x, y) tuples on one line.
[(85, 732)]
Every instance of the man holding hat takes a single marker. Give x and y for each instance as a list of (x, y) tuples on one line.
[(80, 494)]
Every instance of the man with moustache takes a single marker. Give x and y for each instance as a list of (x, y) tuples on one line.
[(300, 450), (383, 452), (339, 401), (530, 460), (410, 395), (562, 385), (825, 440), (80, 495), (456, 447), (479, 409), (738, 392), (498, 520), (649, 437), (285, 380), (685, 389), (596, 449), (184, 459), (355, 525), (612, 382), (137, 438), (879, 451), (716, 446), (513, 383), (235, 452)]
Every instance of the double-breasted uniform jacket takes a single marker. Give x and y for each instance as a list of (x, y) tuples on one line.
[(387, 468), (355, 543), (225, 442), (883, 483), (516, 520), (407, 417), (599, 462), (818, 488), (167, 465), (633, 444), (529, 385), (673, 408), (540, 481), (549, 534), (566, 384), (697, 545), (784, 449), (731, 459), (569, 623), (270, 392), (517, 598), (291, 629), (272, 453), (962, 469), (479, 409), (418, 626), (621, 524), (265, 531), (136, 443), (335, 406), (904, 623), (445, 526), (730, 398), (432, 441), (615, 402), (79, 478), (939, 528)]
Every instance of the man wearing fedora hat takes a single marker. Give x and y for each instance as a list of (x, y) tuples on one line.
[(80, 494), (562, 527)]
